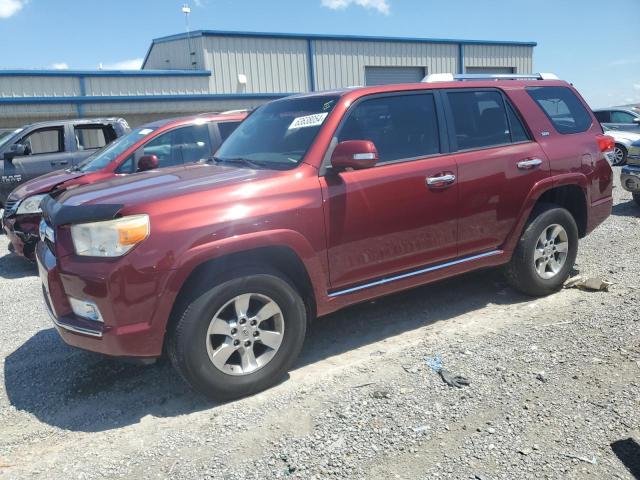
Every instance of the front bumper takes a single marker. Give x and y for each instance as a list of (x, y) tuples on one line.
[(22, 231), (126, 332), (630, 178)]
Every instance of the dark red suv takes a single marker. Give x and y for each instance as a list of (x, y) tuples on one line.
[(159, 144), (320, 201)]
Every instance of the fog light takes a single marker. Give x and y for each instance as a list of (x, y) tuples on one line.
[(85, 309)]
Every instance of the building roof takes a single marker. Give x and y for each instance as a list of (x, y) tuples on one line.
[(313, 36)]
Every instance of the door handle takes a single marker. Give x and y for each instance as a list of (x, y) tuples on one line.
[(61, 162), (529, 164), (441, 181)]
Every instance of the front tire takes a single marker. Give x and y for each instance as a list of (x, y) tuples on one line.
[(240, 336), (546, 252)]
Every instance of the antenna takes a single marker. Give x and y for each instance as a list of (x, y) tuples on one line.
[(186, 9)]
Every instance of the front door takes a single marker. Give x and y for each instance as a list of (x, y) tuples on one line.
[(44, 152), (388, 219)]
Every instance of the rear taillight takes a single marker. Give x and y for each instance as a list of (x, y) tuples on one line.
[(605, 143)]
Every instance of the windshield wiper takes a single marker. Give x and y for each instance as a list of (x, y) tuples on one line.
[(75, 168), (242, 161)]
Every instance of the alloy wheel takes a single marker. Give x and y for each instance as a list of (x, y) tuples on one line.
[(551, 251), (618, 156), (245, 334)]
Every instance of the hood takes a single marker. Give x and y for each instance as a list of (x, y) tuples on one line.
[(147, 187), (43, 184)]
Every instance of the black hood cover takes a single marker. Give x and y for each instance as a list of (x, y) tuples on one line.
[(58, 214)]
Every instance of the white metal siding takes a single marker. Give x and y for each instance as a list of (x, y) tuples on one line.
[(516, 56), (147, 85), (341, 63), (272, 65), (37, 86), (174, 55)]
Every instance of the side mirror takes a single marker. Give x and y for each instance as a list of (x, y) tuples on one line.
[(15, 150), (354, 154), (147, 162)]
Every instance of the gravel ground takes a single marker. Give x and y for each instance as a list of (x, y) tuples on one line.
[(555, 388)]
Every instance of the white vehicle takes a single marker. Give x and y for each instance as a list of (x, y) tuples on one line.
[(627, 147)]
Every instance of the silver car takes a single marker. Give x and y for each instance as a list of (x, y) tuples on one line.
[(627, 148), (619, 118)]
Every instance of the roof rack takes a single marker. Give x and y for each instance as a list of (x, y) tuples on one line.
[(450, 77)]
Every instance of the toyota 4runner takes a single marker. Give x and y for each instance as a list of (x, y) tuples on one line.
[(317, 202)]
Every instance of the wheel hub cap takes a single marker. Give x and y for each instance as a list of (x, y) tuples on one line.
[(245, 334), (551, 250)]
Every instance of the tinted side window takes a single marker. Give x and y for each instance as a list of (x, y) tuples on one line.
[(563, 108), (47, 140), (227, 128), (602, 117), (518, 132), (90, 137), (621, 117), (182, 145), (479, 118), (399, 126)]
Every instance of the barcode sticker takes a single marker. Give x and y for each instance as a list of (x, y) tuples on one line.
[(308, 121)]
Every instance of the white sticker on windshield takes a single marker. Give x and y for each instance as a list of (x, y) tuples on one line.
[(308, 121), (145, 131)]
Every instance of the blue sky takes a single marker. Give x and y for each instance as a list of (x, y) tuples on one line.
[(591, 43)]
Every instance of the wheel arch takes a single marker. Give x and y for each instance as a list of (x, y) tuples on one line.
[(287, 252), (568, 191)]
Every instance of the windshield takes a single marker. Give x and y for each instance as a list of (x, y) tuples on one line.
[(103, 157), (7, 136), (278, 134)]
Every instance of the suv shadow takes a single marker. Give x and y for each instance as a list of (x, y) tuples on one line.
[(13, 266), (82, 391), (626, 209)]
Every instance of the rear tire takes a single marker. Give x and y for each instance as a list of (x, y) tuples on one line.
[(619, 155), (636, 198), (546, 252), (224, 354)]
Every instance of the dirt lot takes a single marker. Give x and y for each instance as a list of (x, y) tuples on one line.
[(555, 389)]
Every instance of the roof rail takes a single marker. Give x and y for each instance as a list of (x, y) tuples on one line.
[(450, 77)]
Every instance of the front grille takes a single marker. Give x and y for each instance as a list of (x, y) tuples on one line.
[(10, 207)]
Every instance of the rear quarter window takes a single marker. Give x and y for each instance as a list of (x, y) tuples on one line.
[(563, 108)]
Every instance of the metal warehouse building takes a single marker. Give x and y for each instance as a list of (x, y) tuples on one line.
[(214, 70)]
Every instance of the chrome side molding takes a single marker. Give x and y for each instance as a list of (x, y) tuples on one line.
[(414, 273)]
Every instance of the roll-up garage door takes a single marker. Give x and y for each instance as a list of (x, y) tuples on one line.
[(388, 75), (504, 70)]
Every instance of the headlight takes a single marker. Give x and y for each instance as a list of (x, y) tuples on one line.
[(30, 205), (112, 238)]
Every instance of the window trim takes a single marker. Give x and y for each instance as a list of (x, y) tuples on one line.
[(451, 127), (325, 167), (61, 141), (586, 109)]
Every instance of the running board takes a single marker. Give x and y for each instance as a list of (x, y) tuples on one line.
[(414, 273)]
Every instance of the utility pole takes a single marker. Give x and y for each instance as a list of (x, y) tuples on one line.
[(187, 10)]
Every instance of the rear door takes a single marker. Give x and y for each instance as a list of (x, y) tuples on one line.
[(387, 219), (498, 164)]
